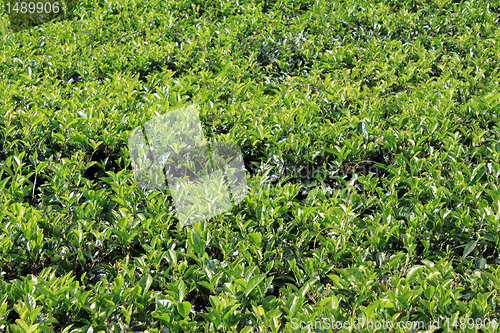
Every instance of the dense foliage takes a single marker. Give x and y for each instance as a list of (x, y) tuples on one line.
[(370, 131)]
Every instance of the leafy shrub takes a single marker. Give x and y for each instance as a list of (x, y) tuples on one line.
[(370, 135)]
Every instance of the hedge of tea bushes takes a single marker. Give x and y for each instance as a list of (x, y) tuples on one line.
[(369, 131)]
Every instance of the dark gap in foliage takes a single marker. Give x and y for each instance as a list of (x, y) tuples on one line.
[(320, 175), (200, 302), (403, 191), (158, 66), (381, 156), (37, 191), (419, 251), (435, 71), (96, 269), (13, 315), (275, 291), (267, 5), (281, 280), (251, 169), (294, 65), (263, 58), (154, 66), (333, 110), (215, 252), (268, 91), (75, 77), (68, 78), (104, 156)]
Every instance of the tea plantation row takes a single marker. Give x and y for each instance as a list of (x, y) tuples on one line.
[(370, 133)]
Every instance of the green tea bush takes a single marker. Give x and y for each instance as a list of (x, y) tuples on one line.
[(370, 133)]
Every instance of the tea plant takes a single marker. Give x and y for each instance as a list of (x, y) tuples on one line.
[(369, 130)]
